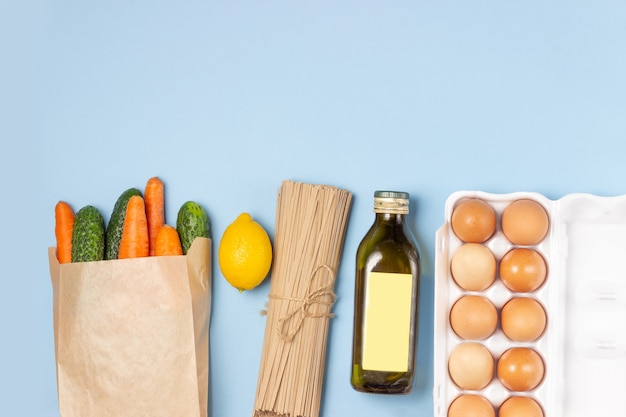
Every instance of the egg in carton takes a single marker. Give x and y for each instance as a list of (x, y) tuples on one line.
[(530, 305)]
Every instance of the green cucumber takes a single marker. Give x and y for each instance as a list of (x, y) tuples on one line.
[(88, 235), (192, 222), (115, 226)]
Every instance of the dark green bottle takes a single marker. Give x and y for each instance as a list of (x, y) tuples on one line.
[(386, 300)]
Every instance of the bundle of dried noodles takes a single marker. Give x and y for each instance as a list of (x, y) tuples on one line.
[(309, 233)]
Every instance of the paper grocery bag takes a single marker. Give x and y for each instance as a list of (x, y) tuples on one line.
[(132, 335)]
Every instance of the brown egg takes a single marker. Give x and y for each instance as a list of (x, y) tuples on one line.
[(473, 317), (471, 405), (520, 369), (473, 267), (523, 269), (471, 366), (473, 220), (525, 222), (520, 407), (523, 319)]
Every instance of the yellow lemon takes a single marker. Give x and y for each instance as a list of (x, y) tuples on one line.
[(245, 253)]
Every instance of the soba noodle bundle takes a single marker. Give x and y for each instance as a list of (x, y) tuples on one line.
[(309, 233)]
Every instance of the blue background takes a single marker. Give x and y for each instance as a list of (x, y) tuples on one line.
[(226, 99)]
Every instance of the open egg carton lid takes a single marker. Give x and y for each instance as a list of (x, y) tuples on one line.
[(583, 346)]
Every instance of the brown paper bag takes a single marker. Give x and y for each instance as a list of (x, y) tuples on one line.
[(132, 335)]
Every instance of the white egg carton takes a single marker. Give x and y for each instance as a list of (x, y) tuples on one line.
[(584, 295)]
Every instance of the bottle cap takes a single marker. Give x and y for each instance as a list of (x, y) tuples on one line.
[(394, 202)]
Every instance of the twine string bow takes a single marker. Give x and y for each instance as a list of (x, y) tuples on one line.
[(323, 295)]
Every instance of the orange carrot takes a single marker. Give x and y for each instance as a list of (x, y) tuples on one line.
[(155, 209), (168, 242), (63, 227), (134, 242)]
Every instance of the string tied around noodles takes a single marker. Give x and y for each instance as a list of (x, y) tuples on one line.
[(323, 295)]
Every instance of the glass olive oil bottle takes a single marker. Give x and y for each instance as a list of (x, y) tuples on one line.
[(386, 300)]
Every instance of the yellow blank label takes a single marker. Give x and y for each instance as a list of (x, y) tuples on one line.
[(387, 328)]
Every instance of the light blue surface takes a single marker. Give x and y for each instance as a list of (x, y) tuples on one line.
[(225, 100)]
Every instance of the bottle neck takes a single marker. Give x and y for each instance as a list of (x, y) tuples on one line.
[(390, 218)]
